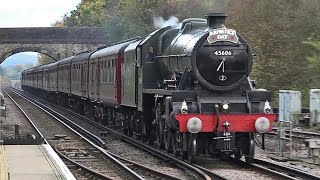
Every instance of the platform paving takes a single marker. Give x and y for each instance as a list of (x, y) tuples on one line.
[(34, 162), (3, 164)]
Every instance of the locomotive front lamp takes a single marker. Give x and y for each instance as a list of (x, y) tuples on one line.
[(194, 125), (184, 108), (225, 106), (267, 107), (262, 124)]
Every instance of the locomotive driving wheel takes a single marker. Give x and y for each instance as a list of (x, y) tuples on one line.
[(238, 154), (160, 126), (183, 140), (245, 146), (175, 143), (167, 140), (192, 149), (249, 156)]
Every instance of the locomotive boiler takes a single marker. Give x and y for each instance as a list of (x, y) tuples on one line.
[(186, 90)]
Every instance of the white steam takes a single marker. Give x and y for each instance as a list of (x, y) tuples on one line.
[(159, 22)]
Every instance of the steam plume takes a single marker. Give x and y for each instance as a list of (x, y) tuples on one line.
[(159, 22)]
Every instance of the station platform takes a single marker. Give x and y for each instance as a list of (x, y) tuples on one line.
[(31, 162)]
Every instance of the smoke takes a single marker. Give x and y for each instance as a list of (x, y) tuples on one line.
[(159, 22), (220, 6)]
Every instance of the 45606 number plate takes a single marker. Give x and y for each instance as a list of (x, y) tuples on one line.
[(223, 53)]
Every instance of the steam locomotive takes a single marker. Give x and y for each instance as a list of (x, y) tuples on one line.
[(186, 90)]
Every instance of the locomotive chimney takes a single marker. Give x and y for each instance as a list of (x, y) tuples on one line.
[(216, 20)]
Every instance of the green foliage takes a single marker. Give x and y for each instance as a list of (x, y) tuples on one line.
[(12, 72), (88, 13), (277, 31), (44, 59), (4, 81), (125, 19), (314, 59)]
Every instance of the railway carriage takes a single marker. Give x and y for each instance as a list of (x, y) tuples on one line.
[(38, 77), (64, 75), (79, 74), (186, 90), (46, 75), (52, 70)]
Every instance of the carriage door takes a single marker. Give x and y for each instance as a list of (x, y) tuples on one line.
[(82, 80), (92, 79), (98, 75)]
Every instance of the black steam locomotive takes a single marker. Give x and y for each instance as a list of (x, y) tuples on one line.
[(184, 89)]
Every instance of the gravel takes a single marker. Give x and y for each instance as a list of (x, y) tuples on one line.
[(299, 158), (220, 167), (125, 150), (15, 117)]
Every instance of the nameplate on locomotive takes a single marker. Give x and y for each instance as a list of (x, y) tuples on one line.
[(222, 34)]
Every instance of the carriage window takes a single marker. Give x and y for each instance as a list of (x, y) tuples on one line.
[(92, 65)]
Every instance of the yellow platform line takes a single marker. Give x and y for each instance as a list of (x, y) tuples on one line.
[(3, 164)]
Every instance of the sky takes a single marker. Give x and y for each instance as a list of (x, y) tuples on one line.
[(34, 13)]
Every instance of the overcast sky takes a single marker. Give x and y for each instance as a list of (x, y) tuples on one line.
[(33, 13)]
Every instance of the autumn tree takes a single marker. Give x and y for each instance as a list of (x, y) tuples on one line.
[(283, 34), (275, 31), (314, 60), (44, 59)]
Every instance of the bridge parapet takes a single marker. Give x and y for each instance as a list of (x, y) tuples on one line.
[(56, 42)]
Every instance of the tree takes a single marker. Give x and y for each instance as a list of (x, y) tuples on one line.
[(3, 71), (88, 13), (314, 59), (44, 59), (275, 31), (125, 19)]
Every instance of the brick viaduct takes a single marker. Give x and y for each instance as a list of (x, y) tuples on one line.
[(55, 42)]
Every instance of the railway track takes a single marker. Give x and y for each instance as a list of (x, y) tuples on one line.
[(20, 129), (297, 134), (260, 168), (279, 172), (146, 172), (94, 161), (285, 170), (189, 172)]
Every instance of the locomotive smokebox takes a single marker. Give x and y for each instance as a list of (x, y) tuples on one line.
[(216, 20)]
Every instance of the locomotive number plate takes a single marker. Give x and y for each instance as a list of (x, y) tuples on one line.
[(223, 53)]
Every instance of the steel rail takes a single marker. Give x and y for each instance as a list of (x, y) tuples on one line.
[(67, 175), (291, 173), (156, 152), (297, 133), (160, 154), (75, 128), (295, 173), (146, 169), (83, 168), (27, 117)]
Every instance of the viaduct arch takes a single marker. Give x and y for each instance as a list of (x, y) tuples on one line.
[(56, 42)]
